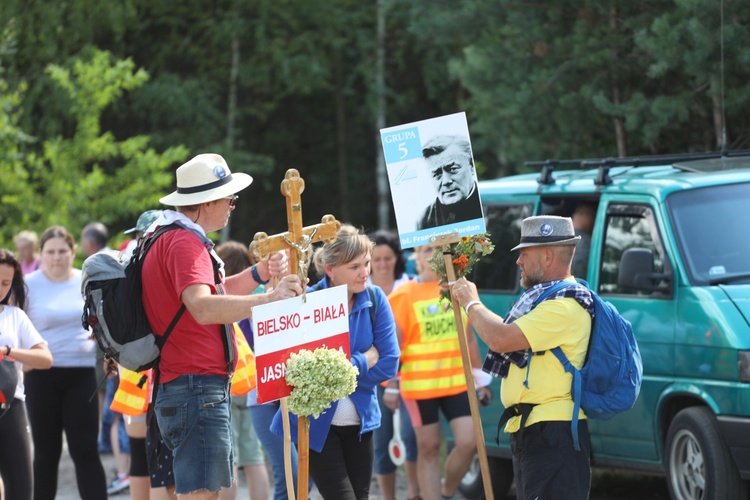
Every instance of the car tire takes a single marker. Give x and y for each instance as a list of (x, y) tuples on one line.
[(697, 461), (501, 476)]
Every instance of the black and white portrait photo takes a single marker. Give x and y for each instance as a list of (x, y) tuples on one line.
[(433, 179)]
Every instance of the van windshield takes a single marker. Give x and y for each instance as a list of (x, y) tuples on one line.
[(712, 227)]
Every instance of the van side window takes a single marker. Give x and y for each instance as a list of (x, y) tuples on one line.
[(498, 271), (628, 226)]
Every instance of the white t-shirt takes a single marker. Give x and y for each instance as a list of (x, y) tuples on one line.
[(17, 331), (55, 309)]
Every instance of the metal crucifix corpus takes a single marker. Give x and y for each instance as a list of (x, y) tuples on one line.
[(298, 240)]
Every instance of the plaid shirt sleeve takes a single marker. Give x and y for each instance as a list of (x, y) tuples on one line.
[(497, 364)]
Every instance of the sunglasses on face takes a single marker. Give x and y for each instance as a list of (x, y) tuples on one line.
[(232, 200)]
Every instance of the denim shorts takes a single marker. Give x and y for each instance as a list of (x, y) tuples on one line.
[(195, 422)]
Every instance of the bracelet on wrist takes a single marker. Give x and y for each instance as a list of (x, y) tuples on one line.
[(472, 303), (8, 349), (256, 276), (391, 390)]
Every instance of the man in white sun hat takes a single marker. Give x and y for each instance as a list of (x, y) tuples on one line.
[(192, 395), (536, 389)]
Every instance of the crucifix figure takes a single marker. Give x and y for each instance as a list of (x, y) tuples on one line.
[(298, 239)]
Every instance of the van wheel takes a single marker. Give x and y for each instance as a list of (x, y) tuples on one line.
[(501, 474), (698, 462)]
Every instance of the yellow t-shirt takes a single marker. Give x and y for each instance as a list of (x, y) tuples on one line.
[(554, 322)]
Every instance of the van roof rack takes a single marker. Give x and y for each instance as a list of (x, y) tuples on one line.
[(605, 164)]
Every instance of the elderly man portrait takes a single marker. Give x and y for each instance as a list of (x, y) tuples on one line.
[(451, 168)]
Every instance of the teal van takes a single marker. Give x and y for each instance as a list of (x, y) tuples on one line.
[(671, 250)]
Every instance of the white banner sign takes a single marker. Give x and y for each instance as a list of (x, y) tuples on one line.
[(433, 180), (288, 326)]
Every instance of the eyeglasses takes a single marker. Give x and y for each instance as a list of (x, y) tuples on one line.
[(232, 200)]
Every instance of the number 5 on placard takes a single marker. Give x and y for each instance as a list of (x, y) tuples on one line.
[(404, 151)]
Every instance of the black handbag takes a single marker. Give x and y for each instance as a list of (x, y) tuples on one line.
[(8, 383)]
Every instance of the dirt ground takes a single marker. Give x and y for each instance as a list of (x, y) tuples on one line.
[(68, 490), (606, 485)]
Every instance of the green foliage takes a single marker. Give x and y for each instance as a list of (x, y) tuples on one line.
[(551, 80), (572, 79), (91, 175), (15, 189)]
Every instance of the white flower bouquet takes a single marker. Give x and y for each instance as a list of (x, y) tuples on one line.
[(318, 378)]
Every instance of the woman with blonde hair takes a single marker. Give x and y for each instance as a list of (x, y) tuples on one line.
[(341, 447)]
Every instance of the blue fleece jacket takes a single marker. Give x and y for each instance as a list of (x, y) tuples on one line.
[(361, 337)]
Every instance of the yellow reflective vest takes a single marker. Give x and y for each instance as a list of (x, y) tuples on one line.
[(431, 365), (132, 395), (243, 380)]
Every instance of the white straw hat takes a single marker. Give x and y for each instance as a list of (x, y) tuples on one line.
[(547, 230), (205, 178)]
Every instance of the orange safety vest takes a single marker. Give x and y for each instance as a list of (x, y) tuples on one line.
[(431, 364), (244, 379), (131, 397)]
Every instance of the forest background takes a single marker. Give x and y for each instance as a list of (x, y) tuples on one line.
[(101, 100)]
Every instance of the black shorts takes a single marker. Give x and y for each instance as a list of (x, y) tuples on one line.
[(546, 464), (427, 411), (161, 472)]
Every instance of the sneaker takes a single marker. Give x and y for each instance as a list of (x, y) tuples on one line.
[(118, 484)]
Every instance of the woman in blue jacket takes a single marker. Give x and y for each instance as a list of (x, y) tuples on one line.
[(341, 448)]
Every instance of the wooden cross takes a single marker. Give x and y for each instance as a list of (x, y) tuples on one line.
[(299, 239)]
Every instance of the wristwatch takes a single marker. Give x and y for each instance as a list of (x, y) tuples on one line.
[(7, 352)]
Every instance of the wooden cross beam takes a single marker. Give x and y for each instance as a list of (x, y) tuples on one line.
[(299, 239), (296, 237)]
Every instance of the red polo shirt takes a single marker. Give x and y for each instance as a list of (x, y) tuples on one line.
[(176, 261)]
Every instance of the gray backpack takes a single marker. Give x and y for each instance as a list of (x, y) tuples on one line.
[(113, 310)]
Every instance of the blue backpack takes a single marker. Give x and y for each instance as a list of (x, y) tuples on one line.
[(610, 379)]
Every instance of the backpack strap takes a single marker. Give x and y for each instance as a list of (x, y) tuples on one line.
[(564, 361), (374, 308), (161, 340), (227, 336), (576, 390), (549, 292), (140, 254)]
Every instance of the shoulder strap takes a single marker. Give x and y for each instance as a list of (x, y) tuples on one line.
[(549, 292), (227, 336), (374, 308), (149, 240), (141, 254), (577, 385), (161, 340)]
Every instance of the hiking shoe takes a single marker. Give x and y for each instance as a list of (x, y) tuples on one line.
[(118, 484)]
